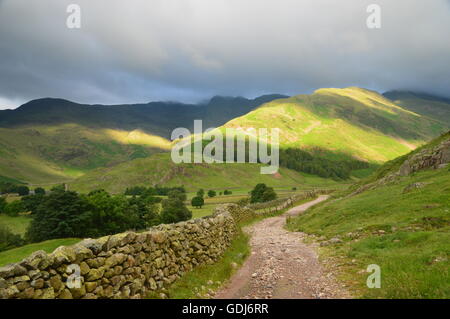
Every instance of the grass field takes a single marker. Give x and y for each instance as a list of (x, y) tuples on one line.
[(18, 225), (159, 169), (413, 247), (17, 254)]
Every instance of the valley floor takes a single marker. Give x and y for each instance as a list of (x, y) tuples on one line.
[(281, 266)]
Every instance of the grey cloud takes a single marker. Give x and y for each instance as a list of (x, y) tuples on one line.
[(191, 49)]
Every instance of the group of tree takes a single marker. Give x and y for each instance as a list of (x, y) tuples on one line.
[(20, 189), (63, 214), (305, 162), (152, 191), (10, 188), (262, 193), (316, 162)]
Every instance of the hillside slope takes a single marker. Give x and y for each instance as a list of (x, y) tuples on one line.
[(156, 118), (398, 219), (349, 122), (54, 140), (45, 154), (435, 107), (160, 170)]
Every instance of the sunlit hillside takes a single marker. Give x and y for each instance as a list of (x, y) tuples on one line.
[(349, 122)]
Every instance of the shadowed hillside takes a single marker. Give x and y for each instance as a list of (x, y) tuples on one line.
[(435, 107), (53, 140)]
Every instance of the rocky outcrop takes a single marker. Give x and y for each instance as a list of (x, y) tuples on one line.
[(432, 157), (435, 157), (125, 265)]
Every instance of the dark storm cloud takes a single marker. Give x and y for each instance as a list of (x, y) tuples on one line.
[(141, 50)]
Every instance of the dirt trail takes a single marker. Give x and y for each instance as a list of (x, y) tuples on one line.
[(281, 266)]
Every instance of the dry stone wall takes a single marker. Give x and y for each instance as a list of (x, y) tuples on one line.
[(126, 265)]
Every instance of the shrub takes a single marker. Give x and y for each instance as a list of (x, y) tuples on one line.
[(23, 190), (212, 193), (39, 191), (261, 193)]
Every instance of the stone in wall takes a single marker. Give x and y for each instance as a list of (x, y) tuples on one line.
[(125, 265)]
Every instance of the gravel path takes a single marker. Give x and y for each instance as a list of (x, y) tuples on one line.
[(281, 266)]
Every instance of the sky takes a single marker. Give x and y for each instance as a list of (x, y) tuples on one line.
[(189, 50)]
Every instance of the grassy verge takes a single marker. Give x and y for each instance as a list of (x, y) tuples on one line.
[(406, 233), (207, 278), (17, 254)]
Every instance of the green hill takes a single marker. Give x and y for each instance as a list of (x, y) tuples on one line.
[(56, 153), (160, 170), (435, 107), (55, 140), (343, 123), (399, 219)]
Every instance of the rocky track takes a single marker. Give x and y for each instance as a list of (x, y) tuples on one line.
[(281, 265)]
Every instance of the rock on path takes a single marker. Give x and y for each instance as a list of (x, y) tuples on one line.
[(281, 266)]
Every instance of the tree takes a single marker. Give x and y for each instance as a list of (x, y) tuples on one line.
[(31, 202), (261, 193), (174, 210), (201, 192), (211, 193), (197, 201), (39, 191), (227, 192), (23, 190), (147, 211), (60, 215), (14, 208)]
